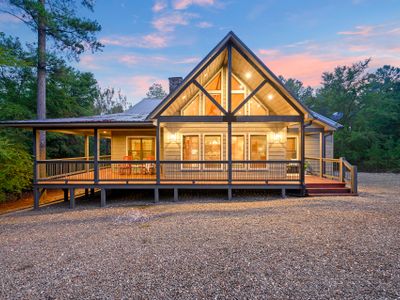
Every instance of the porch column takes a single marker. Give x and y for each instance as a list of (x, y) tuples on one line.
[(36, 150), (302, 137), (158, 141), (87, 155), (229, 141), (96, 155), (322, 153)]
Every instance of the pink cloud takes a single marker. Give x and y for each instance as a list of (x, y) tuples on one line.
[(183, 4), (360, 31), (152, 40), (305, 66), (129, 59), (7, 18), (159, 5), (168, 22), (204, 25)]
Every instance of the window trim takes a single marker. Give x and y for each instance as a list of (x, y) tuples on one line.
[(204, 150), (140, 137), (182, 138), (249, 149)]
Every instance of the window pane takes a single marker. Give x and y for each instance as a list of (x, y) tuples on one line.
[(258, 147), (212, 150), (141, 148), (291, 148), (211, 108), (236, 100), (192, 109), (214, 84), (256, 109), (235, 84), (134, 149), (238, 147), (190, 147)]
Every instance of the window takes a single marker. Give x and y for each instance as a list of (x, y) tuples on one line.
[(258, 150), (193, 108), (212, 150), (190, 150), (215, 83), (238, 151), (211, 109), (141, 148), (291, 148), (238, 98)]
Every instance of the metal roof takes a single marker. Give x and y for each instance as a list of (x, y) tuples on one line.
[(326, 120)]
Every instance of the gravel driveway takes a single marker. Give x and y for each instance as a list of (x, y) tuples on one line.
[(325, 247)]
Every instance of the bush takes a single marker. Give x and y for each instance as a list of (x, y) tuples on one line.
[(15, 169)]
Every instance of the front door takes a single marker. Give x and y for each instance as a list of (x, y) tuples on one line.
[(141, 148)]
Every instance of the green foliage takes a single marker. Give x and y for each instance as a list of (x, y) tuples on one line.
[(370, 103), (71, 34), (15, 169), (156, 91)]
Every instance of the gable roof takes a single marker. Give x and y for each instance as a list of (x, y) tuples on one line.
[(241, 47)]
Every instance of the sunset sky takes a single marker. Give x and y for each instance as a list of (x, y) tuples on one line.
[(148, 41)]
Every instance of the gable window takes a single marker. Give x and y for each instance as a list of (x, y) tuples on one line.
[(291, 148), (210, 108), (212, 150), (192, 108), (213, 87)]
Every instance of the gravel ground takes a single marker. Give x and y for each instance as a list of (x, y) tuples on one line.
[(325, 247)]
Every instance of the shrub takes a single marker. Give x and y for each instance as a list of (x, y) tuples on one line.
[(15, 169)]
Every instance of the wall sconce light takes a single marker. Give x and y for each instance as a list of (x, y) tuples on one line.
[(172, 137), (277, 137)]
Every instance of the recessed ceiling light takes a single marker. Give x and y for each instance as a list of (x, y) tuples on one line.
[(270, 96), (205, 74), (247, 75)]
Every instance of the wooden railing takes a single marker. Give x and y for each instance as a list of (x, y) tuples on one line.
[(191, 172), (333, 168)]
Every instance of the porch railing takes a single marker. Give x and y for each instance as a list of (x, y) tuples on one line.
[(333, 168), (188, 172)]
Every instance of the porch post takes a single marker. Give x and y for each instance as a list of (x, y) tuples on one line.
[(36, 150), (158, 141), (229, 141), (302, 136), (321, 152), (96, 155), (71, 198)]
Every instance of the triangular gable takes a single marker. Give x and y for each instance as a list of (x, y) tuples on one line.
[(238, 48)]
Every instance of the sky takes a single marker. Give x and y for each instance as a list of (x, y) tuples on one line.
[(148, 41)]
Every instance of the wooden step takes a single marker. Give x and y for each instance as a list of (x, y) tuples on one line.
[(326, 185), (334, 194), (328, 190)]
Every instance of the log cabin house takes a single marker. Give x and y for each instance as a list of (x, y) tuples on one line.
[(229, 124)]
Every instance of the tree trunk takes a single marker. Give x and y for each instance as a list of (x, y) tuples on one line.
[(41, 79)]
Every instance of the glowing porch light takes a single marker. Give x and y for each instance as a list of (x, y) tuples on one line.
[(172, 137), (247, 75), (277, 137)]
